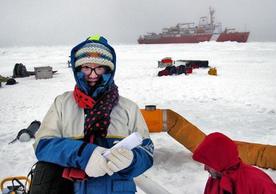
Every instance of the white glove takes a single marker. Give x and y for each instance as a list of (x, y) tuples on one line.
[(119, 159), (97, 164)]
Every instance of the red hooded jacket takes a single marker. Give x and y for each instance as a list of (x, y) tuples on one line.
[(220, 153)]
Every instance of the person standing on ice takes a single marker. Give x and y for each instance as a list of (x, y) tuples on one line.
[(228, 174), (82, 125)]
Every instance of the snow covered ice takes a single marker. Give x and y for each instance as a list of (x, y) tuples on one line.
[(240, 102)]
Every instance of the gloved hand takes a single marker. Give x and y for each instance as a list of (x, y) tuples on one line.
[(119, 159), (97, 164)]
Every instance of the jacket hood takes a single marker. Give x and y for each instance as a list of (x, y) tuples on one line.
[(217, 151), (107, 78)]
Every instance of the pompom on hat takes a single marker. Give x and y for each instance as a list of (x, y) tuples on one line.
[(94, 51)]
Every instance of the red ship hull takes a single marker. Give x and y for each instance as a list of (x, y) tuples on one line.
[(177, 39), (232, 36)]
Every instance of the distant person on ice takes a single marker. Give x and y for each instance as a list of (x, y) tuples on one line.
[(228, 174), (82, 124)]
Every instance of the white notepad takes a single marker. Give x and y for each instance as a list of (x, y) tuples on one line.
[(129, 142)]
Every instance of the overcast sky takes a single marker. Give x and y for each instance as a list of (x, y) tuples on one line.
[(66, 22)]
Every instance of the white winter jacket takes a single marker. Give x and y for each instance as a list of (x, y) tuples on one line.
[(66, 119)]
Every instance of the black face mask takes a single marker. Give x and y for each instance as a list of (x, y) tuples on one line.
[(93, 88)]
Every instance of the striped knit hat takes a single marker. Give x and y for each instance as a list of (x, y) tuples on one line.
[(93, 52), (95, 49)]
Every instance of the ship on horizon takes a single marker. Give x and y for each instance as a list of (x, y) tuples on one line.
[(191, 33)]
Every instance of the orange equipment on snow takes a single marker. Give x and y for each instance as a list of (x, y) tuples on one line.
[(213, 71), (166, 120)]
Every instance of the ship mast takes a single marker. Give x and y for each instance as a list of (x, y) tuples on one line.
[(212, 18)]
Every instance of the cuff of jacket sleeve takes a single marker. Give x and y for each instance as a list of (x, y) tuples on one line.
[(131, 166), (85, 155)]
